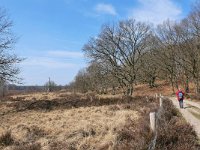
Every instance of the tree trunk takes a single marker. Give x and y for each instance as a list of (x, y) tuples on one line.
[(187, 85), (128, 91), (152, 82), (172, 84), (113, 90), (197, 86), (131, 91), (176, 82)]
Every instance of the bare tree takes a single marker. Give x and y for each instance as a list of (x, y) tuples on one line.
[(8, 60), (188, 52), (100, 78), (94, 78), (148, 71), (120, 47), (50, 86), (194, 19), (166, 52)]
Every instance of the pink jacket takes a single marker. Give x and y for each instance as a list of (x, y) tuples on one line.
[(177, 94)]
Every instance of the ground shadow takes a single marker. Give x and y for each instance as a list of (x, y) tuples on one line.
[(188, 107), (76, 102)]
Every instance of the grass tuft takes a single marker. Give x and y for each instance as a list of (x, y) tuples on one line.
[(34, 146), (6, 139)]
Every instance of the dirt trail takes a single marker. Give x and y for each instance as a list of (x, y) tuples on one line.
[(191, 113)]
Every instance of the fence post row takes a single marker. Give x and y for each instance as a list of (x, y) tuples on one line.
[(153, 114), (153, 122), (161, 102), (156, 95)]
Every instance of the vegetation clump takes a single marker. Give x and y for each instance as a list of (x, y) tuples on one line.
[(174, 132), (6, 139)]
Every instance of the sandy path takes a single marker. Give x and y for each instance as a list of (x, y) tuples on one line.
[(191, 113)]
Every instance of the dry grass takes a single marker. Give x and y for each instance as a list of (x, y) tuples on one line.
[(34, 146), (162, 87), (63, 121), (60, 121)]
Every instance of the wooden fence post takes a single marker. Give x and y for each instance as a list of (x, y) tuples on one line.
[(153, 121), (161, 101), (156, 95)]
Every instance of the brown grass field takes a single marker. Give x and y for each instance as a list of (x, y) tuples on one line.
[(60, 120), (66, 121)]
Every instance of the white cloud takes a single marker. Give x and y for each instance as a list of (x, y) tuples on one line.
[(156, 11), (48, 63), (67, 54), (105, 9)]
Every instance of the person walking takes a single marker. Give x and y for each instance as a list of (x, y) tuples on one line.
[(180, 96)]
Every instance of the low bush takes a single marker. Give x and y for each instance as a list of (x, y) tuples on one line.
[(6, 139), (58, 145), (134, 135), (173, 132), (34, 146), (195, 96)]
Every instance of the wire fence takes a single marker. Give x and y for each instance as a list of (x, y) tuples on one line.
[(154, 126)]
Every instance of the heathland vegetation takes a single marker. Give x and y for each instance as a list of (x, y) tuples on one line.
[(97, 111), (64, 121)]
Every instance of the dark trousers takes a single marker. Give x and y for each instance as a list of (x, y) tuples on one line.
[(181, 103)]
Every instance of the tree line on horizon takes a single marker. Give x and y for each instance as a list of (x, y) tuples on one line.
[(132, 52)]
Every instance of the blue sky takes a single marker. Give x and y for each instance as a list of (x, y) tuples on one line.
[(52, 32)]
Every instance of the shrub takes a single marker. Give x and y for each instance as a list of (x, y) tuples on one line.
[(34, 146), (195, 96), (134, 136), (58, 145), (174, 132), (6, 139)]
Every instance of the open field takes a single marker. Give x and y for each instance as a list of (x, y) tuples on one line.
[(60, 120)]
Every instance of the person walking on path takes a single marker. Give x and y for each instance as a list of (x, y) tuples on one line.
[(180, 96)]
